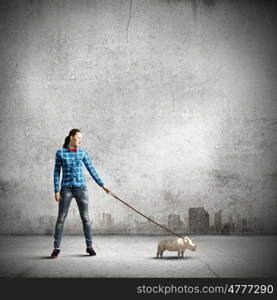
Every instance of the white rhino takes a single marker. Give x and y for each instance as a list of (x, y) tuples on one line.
[(180, 245)]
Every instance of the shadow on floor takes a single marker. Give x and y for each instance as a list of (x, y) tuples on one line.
[(81, 255), (49, 257), (173, 258)]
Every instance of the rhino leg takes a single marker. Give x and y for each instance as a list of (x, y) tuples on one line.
[(158, 253)]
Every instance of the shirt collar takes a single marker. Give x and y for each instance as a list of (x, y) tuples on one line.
[(77, 148)]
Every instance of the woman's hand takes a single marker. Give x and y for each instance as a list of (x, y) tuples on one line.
[(57, 197), (105, 189)]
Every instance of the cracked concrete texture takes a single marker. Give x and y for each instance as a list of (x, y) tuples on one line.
[(129, 20), (134, 256), (176, 101)]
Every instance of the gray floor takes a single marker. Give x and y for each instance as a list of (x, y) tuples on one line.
[(134, 256)]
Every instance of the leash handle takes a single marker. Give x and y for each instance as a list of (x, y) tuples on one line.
[(112, 194)]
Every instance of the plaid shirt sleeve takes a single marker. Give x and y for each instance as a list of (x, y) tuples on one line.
[(57, 172), (91, 170)]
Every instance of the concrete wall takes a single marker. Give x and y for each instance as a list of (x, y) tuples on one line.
[(176, 101)]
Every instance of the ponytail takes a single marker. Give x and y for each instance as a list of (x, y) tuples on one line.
[(66, 141)]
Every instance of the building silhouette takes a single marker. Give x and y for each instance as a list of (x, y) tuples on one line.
[(174, 221), (238, 224), (148, 227), (218, 221), (199, 220), (258, 225), (245, 227), (232, 224), (106, 221)]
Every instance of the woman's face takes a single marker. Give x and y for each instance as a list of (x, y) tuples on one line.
[(76, 140)]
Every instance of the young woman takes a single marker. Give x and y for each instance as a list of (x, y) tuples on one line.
[(71, 159)]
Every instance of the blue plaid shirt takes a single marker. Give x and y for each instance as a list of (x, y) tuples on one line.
[(72, 165)]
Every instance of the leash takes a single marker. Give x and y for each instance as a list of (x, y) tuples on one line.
[(112, 194)]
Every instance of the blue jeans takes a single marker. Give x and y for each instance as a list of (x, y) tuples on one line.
[(81, 196)]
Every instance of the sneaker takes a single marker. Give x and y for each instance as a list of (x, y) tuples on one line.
[(91, 251), (55, 253)]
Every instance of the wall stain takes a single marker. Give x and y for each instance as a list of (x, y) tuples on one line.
[(7, 187), (195, 3), (223, 177)]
